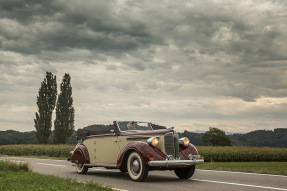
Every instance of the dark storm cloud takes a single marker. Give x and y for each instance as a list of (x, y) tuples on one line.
[(199, 59), (27, 11), (54, 26)]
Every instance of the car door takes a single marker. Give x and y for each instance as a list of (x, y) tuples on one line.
[(106, 150), (103, 150)]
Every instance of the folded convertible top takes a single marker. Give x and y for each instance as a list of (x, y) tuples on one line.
[(82, 133)]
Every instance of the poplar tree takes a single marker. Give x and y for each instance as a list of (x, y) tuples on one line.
[(64, 122), (46, 101)]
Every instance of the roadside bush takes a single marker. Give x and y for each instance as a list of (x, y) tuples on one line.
[(12, 166)]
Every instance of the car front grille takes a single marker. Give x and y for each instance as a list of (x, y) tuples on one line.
[(171, 144)]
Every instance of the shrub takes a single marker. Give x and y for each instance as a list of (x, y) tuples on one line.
[(12, 166)]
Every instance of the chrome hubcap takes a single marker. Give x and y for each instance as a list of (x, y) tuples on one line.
[(79, 166), (136, 166)]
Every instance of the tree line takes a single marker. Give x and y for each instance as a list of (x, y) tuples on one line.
[(47, 100), (12, 137), (259, 138)]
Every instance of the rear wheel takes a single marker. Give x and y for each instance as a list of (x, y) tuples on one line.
[(185, 173), (81, 169), (137, 170)]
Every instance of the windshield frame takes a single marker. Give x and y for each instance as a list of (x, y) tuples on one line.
[(136, 122)]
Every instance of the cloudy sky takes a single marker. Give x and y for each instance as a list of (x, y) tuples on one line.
[(188, 64)]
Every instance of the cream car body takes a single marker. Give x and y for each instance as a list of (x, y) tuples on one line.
[(137, 151)]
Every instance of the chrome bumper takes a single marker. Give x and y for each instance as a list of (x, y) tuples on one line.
[(172, 163)]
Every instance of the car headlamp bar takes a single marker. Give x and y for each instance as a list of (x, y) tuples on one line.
[(153, 141), (184, 141)]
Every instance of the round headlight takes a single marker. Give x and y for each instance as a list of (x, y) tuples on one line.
[(153, 141), (184, 141)]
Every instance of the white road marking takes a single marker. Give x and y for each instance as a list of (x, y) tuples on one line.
[(43, 159), (99, 170), (117, 189), (93, 169), (50, 159), (248, 173), (52, 164), (16, 161), (26, 158), (238, 184)]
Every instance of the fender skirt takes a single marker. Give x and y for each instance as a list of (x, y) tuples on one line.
[(80, 155)]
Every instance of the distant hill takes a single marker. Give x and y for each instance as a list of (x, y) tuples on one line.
[(261, 138), (100, 127), (11, 137)]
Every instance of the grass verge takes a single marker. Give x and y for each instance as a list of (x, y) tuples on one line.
[(17, 177), (276, 168)]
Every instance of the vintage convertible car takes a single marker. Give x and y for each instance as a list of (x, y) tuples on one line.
[(136, 148)]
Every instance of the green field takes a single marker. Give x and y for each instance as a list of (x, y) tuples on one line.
[(18, 177), (54, 151), (241, 159), (211, 154), (276, 168), (243, 154)]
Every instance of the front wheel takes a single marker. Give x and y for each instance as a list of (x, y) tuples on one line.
[(81, 169), (185, 173), (137, 170)]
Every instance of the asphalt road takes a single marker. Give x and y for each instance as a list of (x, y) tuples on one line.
[(160, 180)]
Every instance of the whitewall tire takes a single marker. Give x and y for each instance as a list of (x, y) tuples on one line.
[(81, 169), (137, 170)]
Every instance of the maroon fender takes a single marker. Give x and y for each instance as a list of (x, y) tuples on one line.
[(145, 150), (81, 155), (185, 151)]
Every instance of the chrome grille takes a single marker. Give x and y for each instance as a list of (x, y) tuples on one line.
[(171, 144), (176, 145)]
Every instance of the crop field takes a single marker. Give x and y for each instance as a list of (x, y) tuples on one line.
[(57, 151), (211, 154), (243, 154)]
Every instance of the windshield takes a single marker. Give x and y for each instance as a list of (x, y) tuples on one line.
[(134, 126)]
